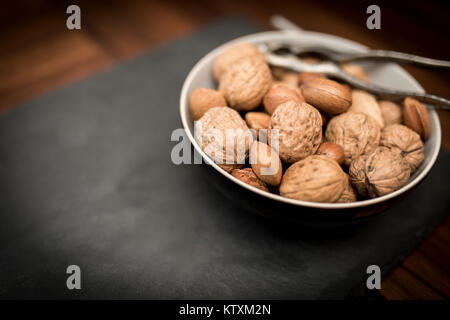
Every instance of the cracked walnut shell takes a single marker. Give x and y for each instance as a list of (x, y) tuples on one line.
[(405, 142), (245, 83), (356, 132), (378, 173), (316, 178), (295, 131)]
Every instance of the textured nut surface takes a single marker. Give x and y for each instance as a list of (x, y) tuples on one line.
[(349, 194), (378, 173), (405, 142), (355, 71), (332, 150), (391, 112), (258, 121), (316, 178), (245, 83), (355, 132), (202, 99), (298, 128), (366, 103), (248, 176), (278, 94), (306, 76), (327, 95), (415, 117), (265, 163), (224, 136), (230, 167), (233, 54)]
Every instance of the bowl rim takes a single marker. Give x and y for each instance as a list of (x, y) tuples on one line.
[(260, 36)]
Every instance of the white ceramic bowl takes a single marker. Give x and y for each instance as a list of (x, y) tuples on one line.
[(390, 75)]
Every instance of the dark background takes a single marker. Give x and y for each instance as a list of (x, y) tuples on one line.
[(39, 54)]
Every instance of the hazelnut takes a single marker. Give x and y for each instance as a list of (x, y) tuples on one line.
[(332, 150), (356, 132), (327, 95), (258, 121), (316, 178), (366, 103), (224, 136), (247, 176), (202, 99), (378, 173), (280, 93), (303, 77), (297, 130), (391, 112), (265, 163), (415, 116), (355, 71), (404, 141), (245, 83), (349, 194), (233, 54)]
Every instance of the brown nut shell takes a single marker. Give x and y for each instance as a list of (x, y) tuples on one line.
[(303, 77), (265, 163), (203, 99), (233, 54), (316, 178), (378, 173), (415, 117), (258, 121), (366, 103), (349, 194), (327, 95), (356, 132), (245, 83), (295, 131), (332, 150), (247, 176), (280, 93), (404, 141), (391, 112)]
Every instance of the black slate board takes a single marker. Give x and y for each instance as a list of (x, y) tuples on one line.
[(86, 179)]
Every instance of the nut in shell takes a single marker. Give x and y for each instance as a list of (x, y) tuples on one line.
[(203, 99), (247, 176), (280, 93), (316, 178), (366, 103), (332, 150), (265, 163), (258, 121), (415, 117), (349, 194), (245, 83), (404, 141), (295, 131), (327, 95), (378, 173), (391, 112), (356, 132)]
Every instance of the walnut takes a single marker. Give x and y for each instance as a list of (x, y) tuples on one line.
[(316, 178), (224, 136), (280, 93), (233, 54), (202, 99), (405, 142), (297, 129), (245, 83), (349, 194), (391, 112), (366, 103), (356, 132), (378, 173), (249, 177), (265, 163)]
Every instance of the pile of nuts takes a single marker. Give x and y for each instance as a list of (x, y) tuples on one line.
[(304, 136)]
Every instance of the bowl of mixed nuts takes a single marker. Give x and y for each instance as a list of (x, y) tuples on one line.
[(301, 146)]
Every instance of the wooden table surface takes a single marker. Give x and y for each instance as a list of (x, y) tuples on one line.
[(38, 54)]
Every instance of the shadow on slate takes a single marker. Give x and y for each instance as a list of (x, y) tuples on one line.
[(86, 179)]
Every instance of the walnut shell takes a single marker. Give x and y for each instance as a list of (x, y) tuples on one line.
[(249, 177), (356, 132), (245, 83), (366, 103), (378, 173), (295, 131), (327, 95), (280, 93), (202, 99), (316, 178), (415, 116), (265, 163), (224, 136), (391, 112), (349, 194), (405, 142), (233, 54), (355, 71)]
